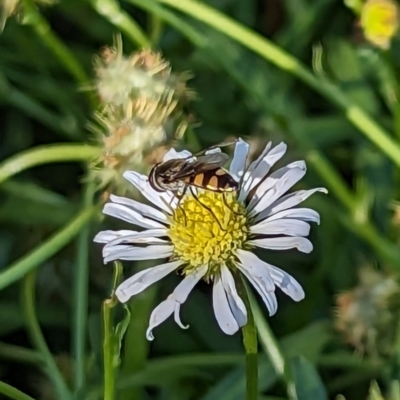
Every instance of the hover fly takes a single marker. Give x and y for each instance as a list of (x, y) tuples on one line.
[(203, 171)]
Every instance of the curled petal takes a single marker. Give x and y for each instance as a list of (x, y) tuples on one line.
[(238, 163), (159, 315), (132, 253), (222, 311), (235, 302), (174, 301), (289, 227), (143, 279)]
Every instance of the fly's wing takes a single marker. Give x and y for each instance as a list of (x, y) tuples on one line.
[(209, 161), (202, 163)]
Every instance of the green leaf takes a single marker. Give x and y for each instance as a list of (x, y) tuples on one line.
[(308, 383), (375, 392), (119, 334)]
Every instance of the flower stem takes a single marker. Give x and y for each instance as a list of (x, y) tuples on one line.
[(37, 256), (111, 10), (44, 155), (41, 27), (81, 294), (28, 305), (13, 393), (19, 354), (250, 342), (272, 349), (109, 338), (136, 346)]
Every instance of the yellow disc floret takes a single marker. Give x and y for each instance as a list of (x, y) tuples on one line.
[(206, 229)]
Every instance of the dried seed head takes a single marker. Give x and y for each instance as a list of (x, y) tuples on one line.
[(366, 315), (141, 112)]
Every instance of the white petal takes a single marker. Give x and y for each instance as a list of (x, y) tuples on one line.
[(161, 200), (258, 279), (276, 185), (238, 163), (223, 313), (173, 154), (133, 253), (162, 312), (141, 208), (284, 243), (289, 227), (252, 265), (147, 236), (287, 283), (213, 150), (108, 236), (174, 301), (302, 214), (258, 170), (235, 302), (143, 279), (131, 216), (288, 201), (182, 291)]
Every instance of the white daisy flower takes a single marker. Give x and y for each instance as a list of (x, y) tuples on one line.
[(213, 246)]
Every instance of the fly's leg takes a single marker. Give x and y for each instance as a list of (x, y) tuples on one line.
[(227, 205), (207, 208), (180, 196)]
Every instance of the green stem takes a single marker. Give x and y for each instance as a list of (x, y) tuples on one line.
[(28, 304), (44, 155), (39, 24), (81, 294), (13, 393), (136, 345), (286, 62), (156, 27), (111, 10), (250, 343), (47, 249), (272, 349), (109, 338), (19, 354)]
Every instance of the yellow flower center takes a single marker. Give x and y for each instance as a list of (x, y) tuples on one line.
[(207, 229)]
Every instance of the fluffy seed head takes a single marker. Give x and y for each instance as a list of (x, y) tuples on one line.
[(141, 103)]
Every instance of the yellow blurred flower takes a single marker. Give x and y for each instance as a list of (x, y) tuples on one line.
[(380, 21)]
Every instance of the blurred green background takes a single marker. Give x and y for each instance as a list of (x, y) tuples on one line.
[(318, 102)]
